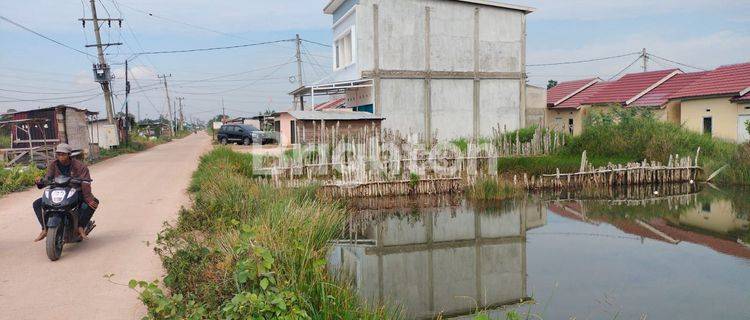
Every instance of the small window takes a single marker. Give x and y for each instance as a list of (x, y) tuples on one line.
[(708, 125), (343, 47), (570, 126), (706, 207)]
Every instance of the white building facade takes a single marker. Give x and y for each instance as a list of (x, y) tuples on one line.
[(437, 68)]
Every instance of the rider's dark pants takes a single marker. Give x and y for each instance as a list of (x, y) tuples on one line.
[(84, 213)]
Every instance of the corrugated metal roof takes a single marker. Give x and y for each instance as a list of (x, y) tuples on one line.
[(333, 115), (565, 89), (724, 80), (576, 100), (746, 97), (660, 95), (628, 86)]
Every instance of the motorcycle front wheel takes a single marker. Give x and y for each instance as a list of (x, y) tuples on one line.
[(55, 242)]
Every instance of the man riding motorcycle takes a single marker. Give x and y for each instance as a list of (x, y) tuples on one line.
[(64, 165)]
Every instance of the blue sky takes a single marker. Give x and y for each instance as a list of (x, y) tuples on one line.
[(698, 33)]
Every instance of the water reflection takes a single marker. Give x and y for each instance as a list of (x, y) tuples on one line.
[(446, 256)]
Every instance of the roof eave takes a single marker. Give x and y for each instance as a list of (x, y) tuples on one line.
[(333, 5)]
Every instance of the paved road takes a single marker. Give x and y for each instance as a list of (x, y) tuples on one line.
[(138, 193)]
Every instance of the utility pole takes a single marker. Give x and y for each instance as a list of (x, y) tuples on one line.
[(182, 117), (139, 111), (299, 61), (174, 116), (223, 111), (169, 103), (127, 109), (644, 55), (102, 73)]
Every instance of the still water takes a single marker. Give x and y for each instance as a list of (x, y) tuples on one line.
[(663, 257)]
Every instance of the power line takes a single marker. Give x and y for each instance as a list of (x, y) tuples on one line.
[(318, 43), (215, 48), (45, 37), (52, 93), (677, 63), (582, 61), (626, 68)]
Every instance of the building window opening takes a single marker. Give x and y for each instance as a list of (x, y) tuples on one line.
[(344, 50), (708, 126)]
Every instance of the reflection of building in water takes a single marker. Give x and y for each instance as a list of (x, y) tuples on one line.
[(715, 215), (444, 260), (712, 222)]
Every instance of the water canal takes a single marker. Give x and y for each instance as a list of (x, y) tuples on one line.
[(668, 257)]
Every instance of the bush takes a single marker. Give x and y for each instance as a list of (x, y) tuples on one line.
[(18, 178), (248, 250), (635, 134), (4, 141)]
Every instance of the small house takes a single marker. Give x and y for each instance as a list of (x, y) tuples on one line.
[(38, 131), (302, 127)]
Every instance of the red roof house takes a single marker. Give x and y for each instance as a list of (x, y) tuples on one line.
[(724, 80), (660, 95), (565, 90), (631, 87)]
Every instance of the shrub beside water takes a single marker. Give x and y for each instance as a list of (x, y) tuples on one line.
[(246, 250)]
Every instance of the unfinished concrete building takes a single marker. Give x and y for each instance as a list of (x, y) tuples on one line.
[(451, 68)]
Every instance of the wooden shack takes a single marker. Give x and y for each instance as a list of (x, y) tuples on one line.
[(35, 133)]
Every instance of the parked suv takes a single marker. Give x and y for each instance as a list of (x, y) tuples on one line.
[(240, 133)]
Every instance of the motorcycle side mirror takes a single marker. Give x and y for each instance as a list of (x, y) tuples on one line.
[(41, 166)]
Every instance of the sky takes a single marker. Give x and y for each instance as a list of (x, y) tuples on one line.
[(35, 72)]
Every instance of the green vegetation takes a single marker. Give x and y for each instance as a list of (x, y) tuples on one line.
[(492, 188), (4, 141), (747, 126), (17, 178), (247, 250), (625, 135)]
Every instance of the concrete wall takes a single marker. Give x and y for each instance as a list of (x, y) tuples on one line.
[(725, 115), (346, 24), (402, 46), (536, 106), (557, 119)]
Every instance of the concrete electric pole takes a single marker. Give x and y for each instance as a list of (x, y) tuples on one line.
[(644, 55), (169, 102), (102, 74), (299, 61), (182, 117)]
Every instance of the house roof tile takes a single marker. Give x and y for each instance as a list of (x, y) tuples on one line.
[(628, 86), (724, 80), (660, 95), (576, 100), (564, 89)]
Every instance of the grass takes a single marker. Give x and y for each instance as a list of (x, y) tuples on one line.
[(626, 135), (4, 141), (17, 178), (249, 250), (492, 188)]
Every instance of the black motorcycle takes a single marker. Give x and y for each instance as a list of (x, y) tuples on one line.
[(60, 203)]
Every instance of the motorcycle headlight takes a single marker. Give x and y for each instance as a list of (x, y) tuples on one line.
[(57, 196)]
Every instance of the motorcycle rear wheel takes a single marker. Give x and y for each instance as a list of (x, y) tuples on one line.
[(55, 242)]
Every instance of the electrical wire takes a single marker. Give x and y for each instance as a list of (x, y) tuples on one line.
[(582, 61), (45, 37), (51, 93), (318, 43), (215, 48), (625, 69), (677, 63)]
